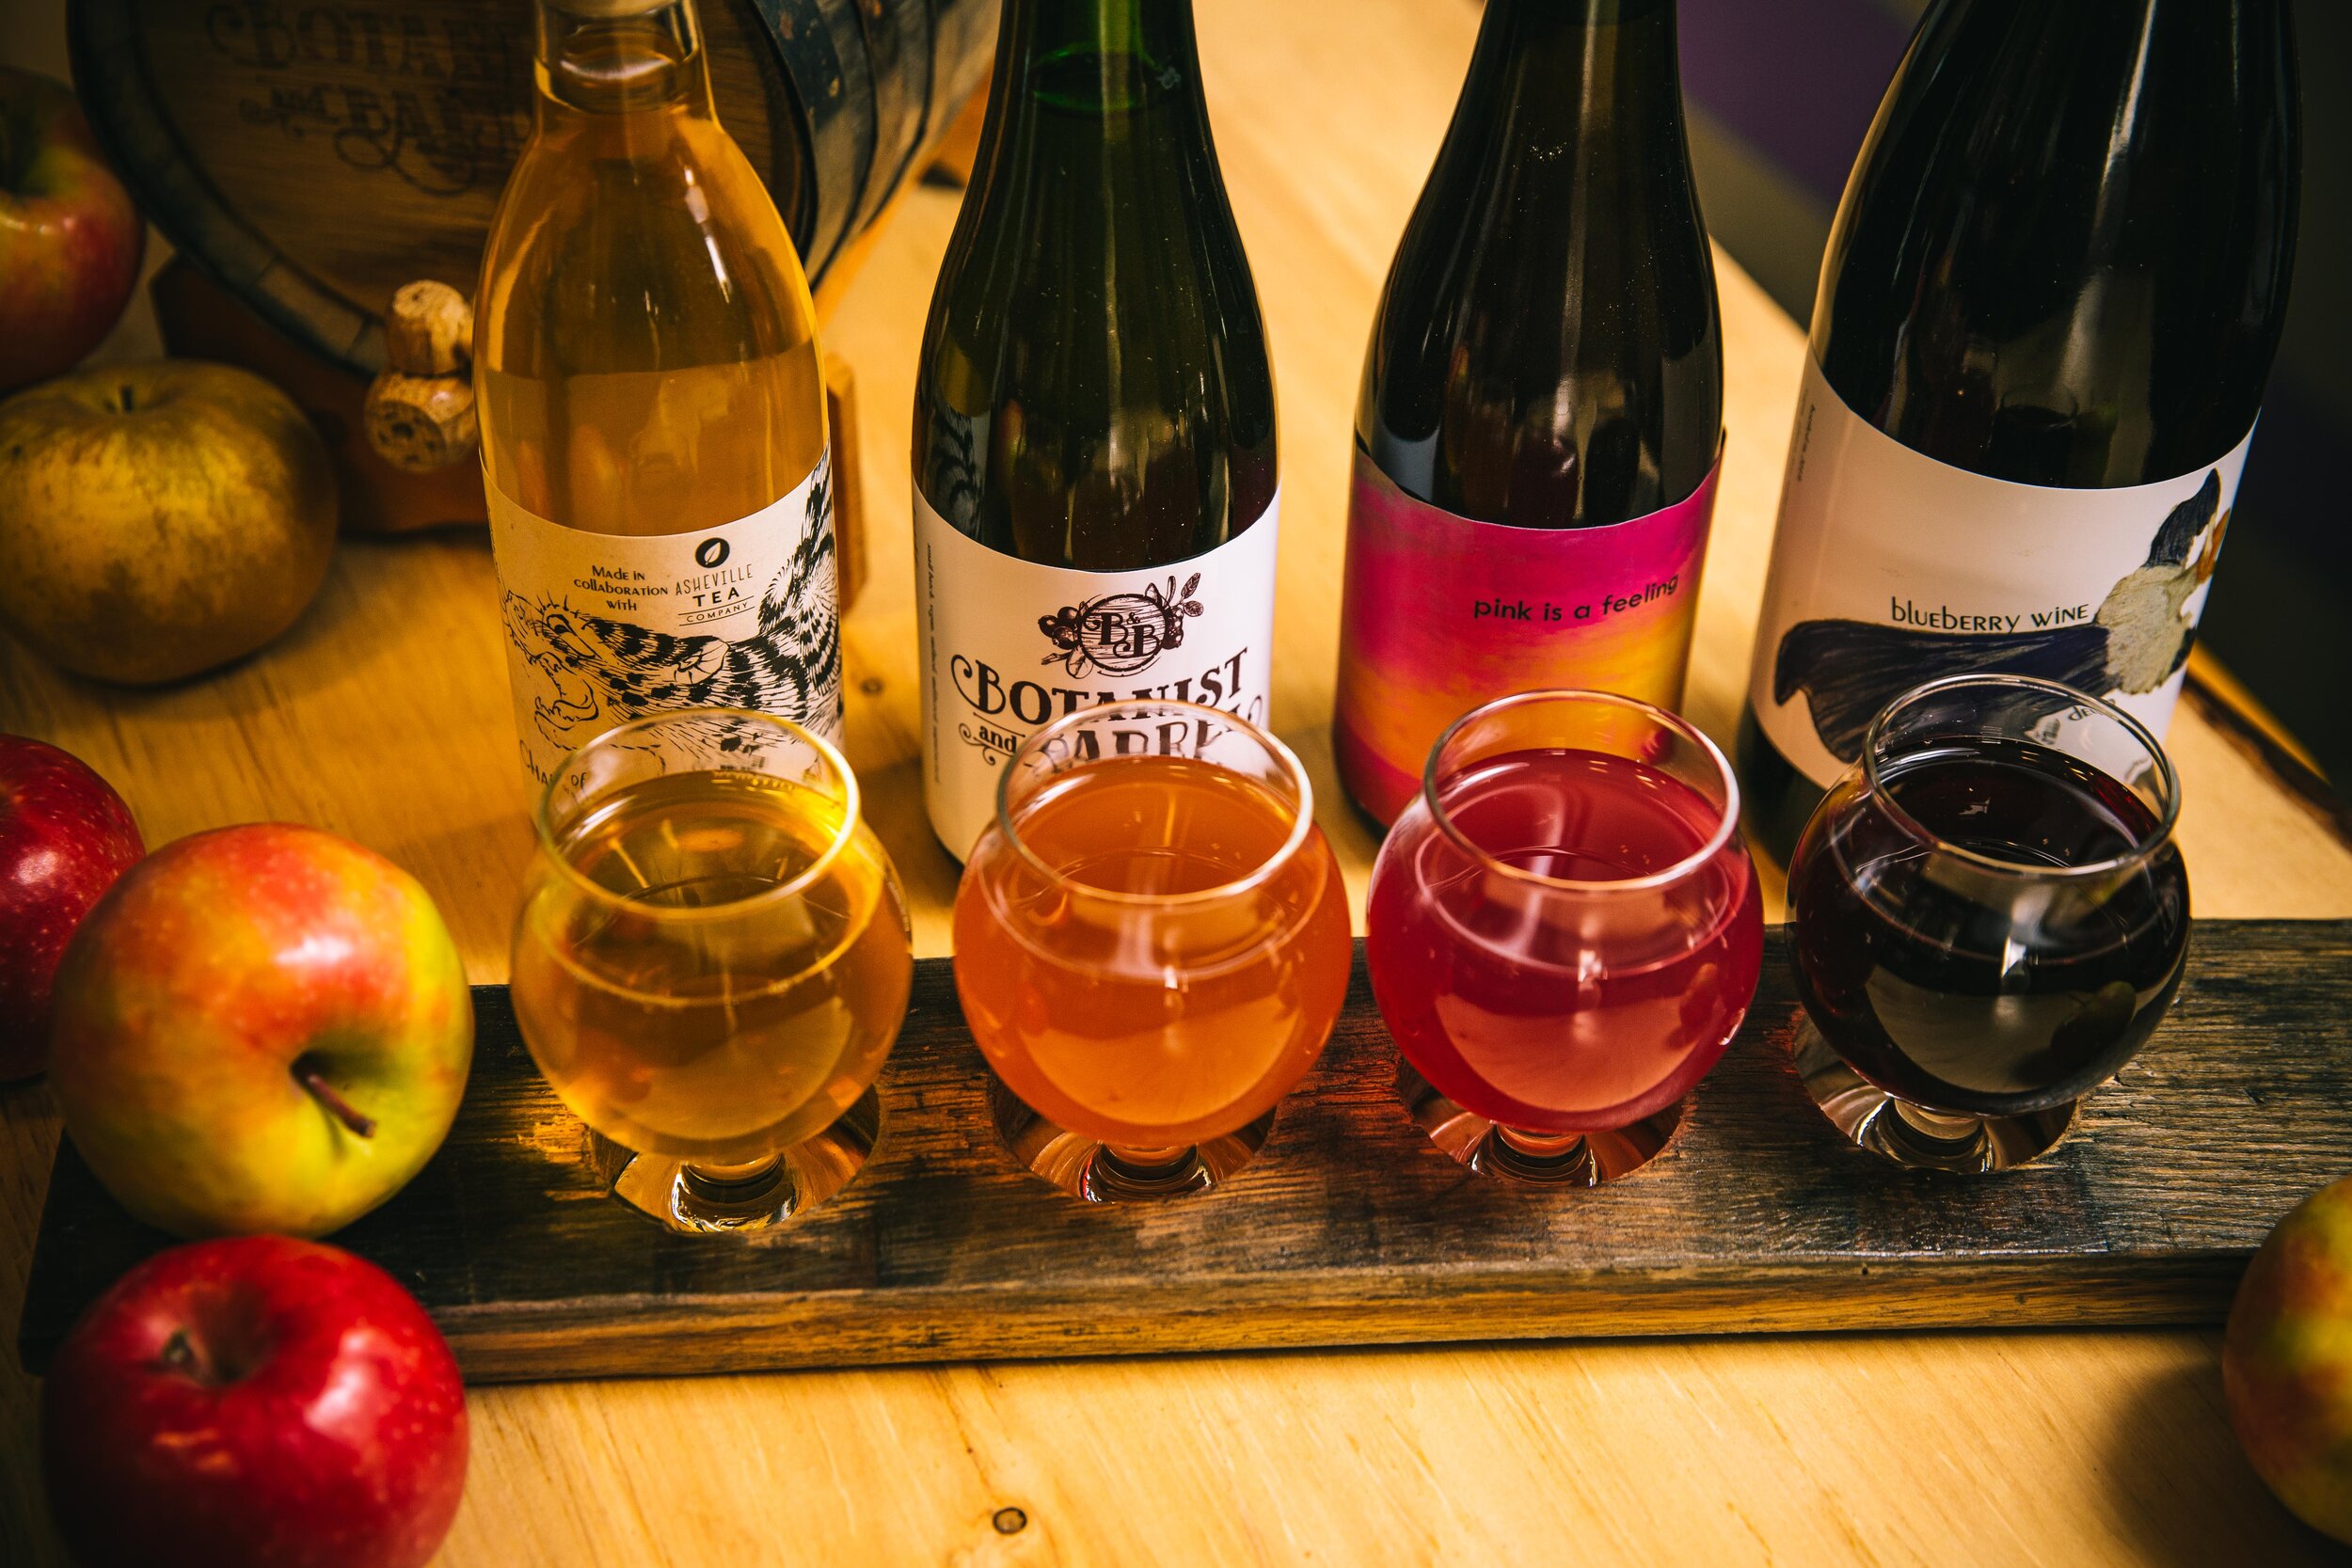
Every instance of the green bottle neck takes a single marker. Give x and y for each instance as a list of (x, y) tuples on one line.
[(603, 57), (1098, 55)]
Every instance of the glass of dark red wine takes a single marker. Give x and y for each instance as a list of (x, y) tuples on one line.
[(1564, 933), (1987, 918)]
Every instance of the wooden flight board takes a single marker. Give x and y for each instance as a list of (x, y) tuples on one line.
[(1349, 1228)]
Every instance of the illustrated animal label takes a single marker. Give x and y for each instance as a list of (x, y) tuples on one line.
[(1443, 612), (1008, 645), (1891, 568), (602, 628)]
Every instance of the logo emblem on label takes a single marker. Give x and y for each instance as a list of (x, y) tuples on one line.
[(1120, 633), (711, 552)]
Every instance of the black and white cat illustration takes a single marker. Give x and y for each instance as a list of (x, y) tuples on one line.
[(593, 671)]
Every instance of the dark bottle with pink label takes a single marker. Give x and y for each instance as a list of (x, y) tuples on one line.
[(1537, 439)]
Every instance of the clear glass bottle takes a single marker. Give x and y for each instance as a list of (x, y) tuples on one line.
[(652, 408)]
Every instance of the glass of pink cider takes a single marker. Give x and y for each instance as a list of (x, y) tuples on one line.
[(1564, 933)]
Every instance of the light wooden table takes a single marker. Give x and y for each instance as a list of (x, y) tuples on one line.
[(384, 715)]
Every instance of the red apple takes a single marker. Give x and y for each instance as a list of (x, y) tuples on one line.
[(256, 1402), (64, 837), (2287, 1361), (70, 239), (260, 1028)]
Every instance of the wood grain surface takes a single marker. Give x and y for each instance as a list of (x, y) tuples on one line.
[(1350, 1228), (384, 715)]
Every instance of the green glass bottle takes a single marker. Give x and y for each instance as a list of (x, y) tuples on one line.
[(1094, 447)]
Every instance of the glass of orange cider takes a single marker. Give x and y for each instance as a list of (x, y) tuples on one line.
[(1151, 945), (711, 963)]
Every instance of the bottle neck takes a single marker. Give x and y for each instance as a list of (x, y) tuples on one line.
[(1548, 353), (1548, 70), (620, 58), (1095, 56), (2062, 257)]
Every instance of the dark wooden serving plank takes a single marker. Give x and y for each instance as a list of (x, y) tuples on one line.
[(1349, 1229)]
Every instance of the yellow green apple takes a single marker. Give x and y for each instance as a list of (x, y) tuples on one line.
[(2287, 1361), (159, 519), (263, 1028)]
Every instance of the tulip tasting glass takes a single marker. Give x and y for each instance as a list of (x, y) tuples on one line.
[(1151, 943), (1564, 933), (711, 962), (1987, 918)]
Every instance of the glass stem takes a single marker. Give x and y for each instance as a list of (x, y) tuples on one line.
[(1148, 1159), (1936, 1124), (727, 1183), (1539, 1146)]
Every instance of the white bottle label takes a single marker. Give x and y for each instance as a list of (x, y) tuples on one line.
[(604, 627), (1890, 568), (1009, 646)]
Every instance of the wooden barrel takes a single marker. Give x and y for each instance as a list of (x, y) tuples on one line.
[(314, 155)]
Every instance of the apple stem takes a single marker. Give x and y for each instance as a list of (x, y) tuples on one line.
[(361, 1124), (178, 1355)]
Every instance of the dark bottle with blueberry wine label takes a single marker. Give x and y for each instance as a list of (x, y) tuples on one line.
[(2046, 314)]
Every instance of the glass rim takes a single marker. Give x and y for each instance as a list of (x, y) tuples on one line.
[(1302, 825), (2156, 838), (851, 805), (1681, 870)]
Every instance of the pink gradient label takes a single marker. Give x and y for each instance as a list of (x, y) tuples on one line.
[(1443, 614)]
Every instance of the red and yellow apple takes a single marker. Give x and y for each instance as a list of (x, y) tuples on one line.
[(70, 239), (260, 1028), (159, 519), (65, 836), (255, 1403), (2287, 1361)]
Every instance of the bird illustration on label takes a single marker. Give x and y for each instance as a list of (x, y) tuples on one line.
[(1849, 669), (596, 672)]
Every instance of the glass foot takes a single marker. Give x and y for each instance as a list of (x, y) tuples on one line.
[(1097, 1172), (744, 1200), (1912, 1134), (1542, 1159)]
